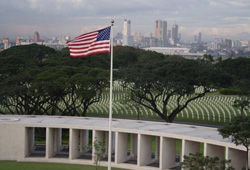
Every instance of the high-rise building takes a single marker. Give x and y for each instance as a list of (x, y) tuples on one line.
[(18, 40), (138, 39), (161, 33), (118, 39), (126, 27), (174, 35), (236, 44), (127, 39), (199, 38), (195, 38), (228, 43), (36, 37), (169, 34), (6, 43)]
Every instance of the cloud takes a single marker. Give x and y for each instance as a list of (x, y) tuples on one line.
[(75, 16)]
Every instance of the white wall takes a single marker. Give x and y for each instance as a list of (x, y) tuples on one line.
[(12, 142)]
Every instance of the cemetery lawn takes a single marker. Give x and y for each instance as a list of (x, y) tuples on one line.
[(13, 165)]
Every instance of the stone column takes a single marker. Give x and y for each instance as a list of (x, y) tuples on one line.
[(29, 140), (32, 138), (97, 135), (121, 147), (133, 145), (113, 142), (182, 150), (145, 150), (49, 142), (73, 143), (248, 159), (106, 143), (57, 139), (167, 153), (84, 140)]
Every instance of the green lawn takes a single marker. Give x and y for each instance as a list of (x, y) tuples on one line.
[(13, 165)]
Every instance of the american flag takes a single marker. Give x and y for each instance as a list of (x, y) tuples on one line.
[(90, 43)]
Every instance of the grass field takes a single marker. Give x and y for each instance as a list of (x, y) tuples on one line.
[(13, 165)]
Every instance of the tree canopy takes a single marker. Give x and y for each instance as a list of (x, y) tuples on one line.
[(156, 77), (239, 70), (238, 131), (39, 80), (199, 162)]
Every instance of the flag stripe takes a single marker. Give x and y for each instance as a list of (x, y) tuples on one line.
[(89, 53), (81, 36), (91, 37), (90, 43), (81, 43), (86, 46), (85, 50)]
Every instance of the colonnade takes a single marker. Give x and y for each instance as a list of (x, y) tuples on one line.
[(129, 149)]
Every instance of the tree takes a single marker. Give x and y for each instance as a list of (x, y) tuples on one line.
[(238, 130), (98, 149), (71, 89), (199, 162), (20, 94), (19, 66), (243, 103), (208, 58), (239, 69), (157, 79), (128, 103), (35, 79)]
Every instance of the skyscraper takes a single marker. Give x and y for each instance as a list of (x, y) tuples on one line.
[(199, 38), (6, 43), (36, 37), (161, 32), (18, 40), (127, 38), (228, 43), (169, 34), (174, 35)]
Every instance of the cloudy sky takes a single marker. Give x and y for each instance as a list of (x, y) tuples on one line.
[(214, 18)]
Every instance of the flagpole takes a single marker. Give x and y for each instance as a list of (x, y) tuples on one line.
[(110, 98)]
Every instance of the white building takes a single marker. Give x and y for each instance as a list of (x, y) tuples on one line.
[(132, 142), (127, 39), (6, 43), (184, 52)]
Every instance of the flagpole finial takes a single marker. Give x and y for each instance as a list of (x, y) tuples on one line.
[(112, 22)]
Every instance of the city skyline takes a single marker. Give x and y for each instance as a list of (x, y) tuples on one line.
[(224, 18)]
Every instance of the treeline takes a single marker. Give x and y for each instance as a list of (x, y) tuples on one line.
[(35, 79)]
